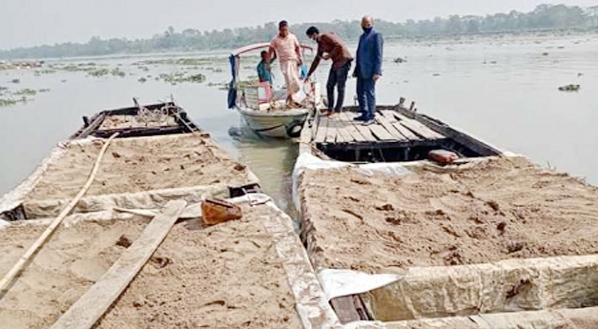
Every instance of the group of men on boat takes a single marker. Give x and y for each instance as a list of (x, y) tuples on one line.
[(368, 68)]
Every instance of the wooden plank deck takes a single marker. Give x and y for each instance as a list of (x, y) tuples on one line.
[(350, 127), (390, 126), (322, 127), (417, 127)]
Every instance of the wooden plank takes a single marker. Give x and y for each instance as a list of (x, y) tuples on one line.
[(96, 301), (345, 309), (390, 128), (322, 127), (380, 132), (406, 132), (331, 132), (343, 134), (350, 127), (366, 133), (418, 127)]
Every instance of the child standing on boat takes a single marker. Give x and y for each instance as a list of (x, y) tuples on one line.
[(286, 45), (264, 68)]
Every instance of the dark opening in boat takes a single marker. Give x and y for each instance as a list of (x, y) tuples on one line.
[(394, 152)]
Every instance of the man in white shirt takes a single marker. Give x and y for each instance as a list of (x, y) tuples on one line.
[(286, 45)]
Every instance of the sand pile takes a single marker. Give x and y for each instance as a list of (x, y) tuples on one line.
[(140, 164), (494, 210), (64, 269), (225, 276), (130, 121)]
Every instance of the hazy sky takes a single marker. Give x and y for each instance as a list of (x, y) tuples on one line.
[(34, 22)]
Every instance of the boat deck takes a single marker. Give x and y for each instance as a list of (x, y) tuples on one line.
[(390, 126)]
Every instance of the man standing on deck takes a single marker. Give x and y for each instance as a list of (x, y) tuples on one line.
[(368, 69), (286, 45), (330, 46)]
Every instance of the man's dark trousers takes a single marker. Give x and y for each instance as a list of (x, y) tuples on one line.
[(366, 97), (337, 78)]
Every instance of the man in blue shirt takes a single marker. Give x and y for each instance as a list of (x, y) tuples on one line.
[(264, 68), (368, 69)]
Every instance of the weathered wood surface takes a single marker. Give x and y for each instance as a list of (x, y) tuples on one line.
[(96, 301), (390, 128), (322, 127), (418, 127), (351, 129), (345, 309)]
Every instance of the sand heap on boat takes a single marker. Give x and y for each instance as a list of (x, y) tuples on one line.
[(229, 275), (485, 211)]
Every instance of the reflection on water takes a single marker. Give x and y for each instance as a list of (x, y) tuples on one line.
[(501, 89)]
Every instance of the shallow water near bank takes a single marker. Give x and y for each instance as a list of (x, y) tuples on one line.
[(503, 90)]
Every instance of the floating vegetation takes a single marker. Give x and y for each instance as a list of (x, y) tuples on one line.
[(118, 72), (545, 54), (99, 72), (4, 102), (399, 60), (143, 68), (142, 80), (570, 88), (180, 77), (183, 61), (20, 65), (215, 69), (25, 92), (44, 90), (15, 81)]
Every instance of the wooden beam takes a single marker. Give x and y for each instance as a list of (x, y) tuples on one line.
[(96, 301)]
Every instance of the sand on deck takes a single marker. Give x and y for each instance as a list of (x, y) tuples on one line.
[(140, 164), (497, 209), (224, 276)]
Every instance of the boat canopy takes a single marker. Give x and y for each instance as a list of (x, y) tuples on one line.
[(235, 64)]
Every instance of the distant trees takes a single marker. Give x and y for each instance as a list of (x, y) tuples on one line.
[(542, 17)]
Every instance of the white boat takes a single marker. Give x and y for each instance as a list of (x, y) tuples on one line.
[(262, 107)]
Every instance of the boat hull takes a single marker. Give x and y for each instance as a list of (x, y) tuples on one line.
[(276, 124)]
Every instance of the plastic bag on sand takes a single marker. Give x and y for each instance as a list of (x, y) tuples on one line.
[(339, 283)]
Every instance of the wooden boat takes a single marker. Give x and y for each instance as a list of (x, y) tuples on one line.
[(136, 121), (373, 199), (263, 107), (400, 134), (161, 153)]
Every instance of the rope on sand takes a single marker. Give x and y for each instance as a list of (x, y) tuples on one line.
[(24, 260)]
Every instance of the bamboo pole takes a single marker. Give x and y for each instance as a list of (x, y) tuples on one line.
[(20, 265)]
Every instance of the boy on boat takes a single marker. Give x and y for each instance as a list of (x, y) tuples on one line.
[(264, 68), (286, 45), (331, 46)]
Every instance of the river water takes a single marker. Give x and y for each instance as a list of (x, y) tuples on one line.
[(502, 89)]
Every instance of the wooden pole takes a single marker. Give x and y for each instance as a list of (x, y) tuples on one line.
[(20, 265)]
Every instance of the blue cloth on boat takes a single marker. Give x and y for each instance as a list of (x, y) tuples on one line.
[(232, 90)]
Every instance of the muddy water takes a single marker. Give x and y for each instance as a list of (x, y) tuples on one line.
[(503, 90)]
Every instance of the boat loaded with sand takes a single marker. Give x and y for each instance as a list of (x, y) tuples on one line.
[(412, 223), (263, 107), (111, 231)]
